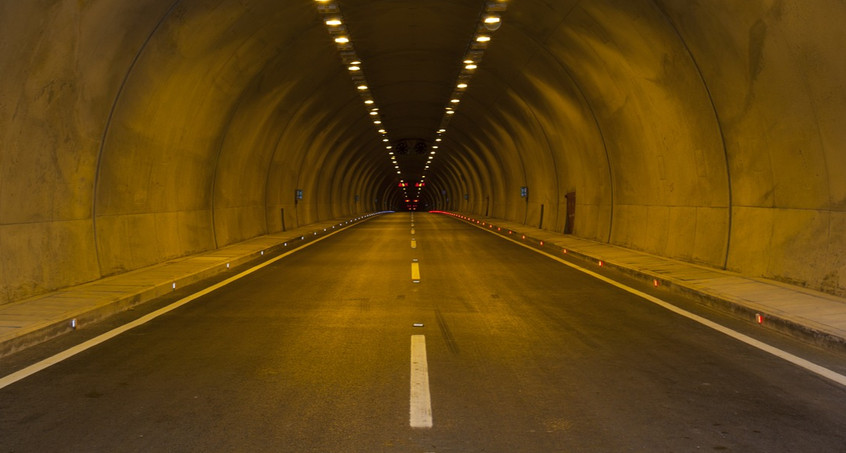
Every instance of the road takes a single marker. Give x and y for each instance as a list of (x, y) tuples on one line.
[(522, 354)]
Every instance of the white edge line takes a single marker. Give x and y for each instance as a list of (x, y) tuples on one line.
[(794, 359), (52, 360), (420, 400)]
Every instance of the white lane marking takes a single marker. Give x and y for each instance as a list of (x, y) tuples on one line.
[(50, 361), (420, 405), (784, 355)]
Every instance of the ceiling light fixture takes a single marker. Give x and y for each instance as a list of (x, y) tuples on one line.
[(489, 21)]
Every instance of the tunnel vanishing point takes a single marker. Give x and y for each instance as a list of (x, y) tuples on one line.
[(136, 132)]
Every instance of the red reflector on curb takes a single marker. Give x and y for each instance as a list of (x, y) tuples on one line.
[(565, 250), (655, 282), (541, 243), (601, 263), (759, 318)]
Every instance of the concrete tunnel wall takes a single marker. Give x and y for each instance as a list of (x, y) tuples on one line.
[(136, 132), (707, 131)]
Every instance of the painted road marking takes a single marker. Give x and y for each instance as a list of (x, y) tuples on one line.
[(415, 272), (412, 231), (50, 361), (794, 359), (413, 243), (420, 401)]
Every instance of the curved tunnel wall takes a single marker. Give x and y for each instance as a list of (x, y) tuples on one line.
[(136, 132), (714, 122)]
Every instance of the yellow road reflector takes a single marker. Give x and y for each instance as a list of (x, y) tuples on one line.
[(415, 272)]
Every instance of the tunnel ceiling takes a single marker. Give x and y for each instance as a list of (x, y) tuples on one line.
[(411, 57), (132, 133)]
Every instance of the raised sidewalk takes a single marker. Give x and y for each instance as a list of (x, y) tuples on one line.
[(30, 321), (810, 315)]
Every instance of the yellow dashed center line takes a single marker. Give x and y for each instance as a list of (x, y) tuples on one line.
[(415, 272)]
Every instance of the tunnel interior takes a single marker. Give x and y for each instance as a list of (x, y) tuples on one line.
[(133, 133)]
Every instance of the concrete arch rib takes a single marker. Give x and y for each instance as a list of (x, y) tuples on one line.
[(664, 173), (727, 247), (249, 139), (504, 172), (103, 139)]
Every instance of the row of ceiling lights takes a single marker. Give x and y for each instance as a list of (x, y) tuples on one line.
[(489, 22), (334, 21)]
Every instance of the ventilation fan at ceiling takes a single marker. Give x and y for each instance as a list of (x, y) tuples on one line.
[(408, 145)]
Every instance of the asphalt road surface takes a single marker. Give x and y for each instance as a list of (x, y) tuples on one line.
[(514, 353)]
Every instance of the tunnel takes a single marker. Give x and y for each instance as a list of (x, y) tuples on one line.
[(710, 132), (623, 220)]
